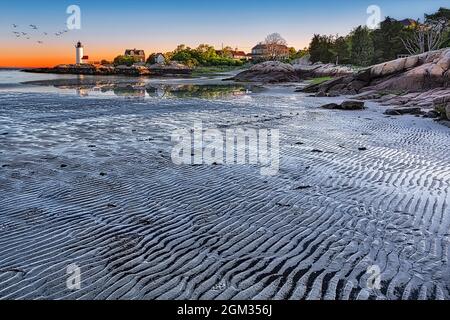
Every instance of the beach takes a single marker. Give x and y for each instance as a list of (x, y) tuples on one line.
[(86, 178)]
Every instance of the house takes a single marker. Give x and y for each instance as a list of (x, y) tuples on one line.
[(238, 55), (160, 58), (261, 51), (85, 59), (408, 23), (156, 58), (138, 55), (233, 54)]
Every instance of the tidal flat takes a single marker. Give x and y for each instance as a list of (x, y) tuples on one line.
[(87, 179)]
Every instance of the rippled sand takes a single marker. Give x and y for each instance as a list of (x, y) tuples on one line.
[(91, 182)]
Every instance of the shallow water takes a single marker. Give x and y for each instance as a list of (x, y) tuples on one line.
[(124, 87), (90, 181)]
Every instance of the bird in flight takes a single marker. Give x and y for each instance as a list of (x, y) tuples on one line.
[(24, 33), (15, 25), (45, 33), (33, 27), (40, 42)]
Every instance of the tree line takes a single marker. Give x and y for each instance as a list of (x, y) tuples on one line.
[(203, 55), (363, 47)]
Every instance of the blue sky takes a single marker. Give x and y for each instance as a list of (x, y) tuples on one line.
[(110, 26)]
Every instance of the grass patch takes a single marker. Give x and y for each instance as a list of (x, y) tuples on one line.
[(320, 80)]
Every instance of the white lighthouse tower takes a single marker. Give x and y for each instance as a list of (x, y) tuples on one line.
[(80, 53)]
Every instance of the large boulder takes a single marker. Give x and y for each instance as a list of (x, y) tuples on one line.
[(322, 70), (403, 111), (352, 105), (414, 81), (346, 105), (269, 72)]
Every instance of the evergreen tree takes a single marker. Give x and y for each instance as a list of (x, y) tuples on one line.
[(320, 49), (362, 49), (387, 42)]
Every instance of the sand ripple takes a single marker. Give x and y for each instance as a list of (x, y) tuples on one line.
[(91, 182)]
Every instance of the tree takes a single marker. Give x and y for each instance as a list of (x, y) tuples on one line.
[(275, 47), (151, 59), (320, 49), (341, 50), (362, 49), (124, 60), (425, 37), (203, 55), (226, 52), (443, 14), (387, 40)]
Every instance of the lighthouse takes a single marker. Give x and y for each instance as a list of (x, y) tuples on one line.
[(80, 53)]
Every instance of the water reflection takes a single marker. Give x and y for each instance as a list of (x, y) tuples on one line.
[(137, 89)]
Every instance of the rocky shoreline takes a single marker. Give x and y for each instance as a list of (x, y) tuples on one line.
[(134, 71), (413, 85), (278, 72), (418, 85)]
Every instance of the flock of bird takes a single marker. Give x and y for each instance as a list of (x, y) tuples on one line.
[(35, 29)]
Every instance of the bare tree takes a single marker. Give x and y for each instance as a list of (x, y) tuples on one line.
[(276, 47), (425, 37)]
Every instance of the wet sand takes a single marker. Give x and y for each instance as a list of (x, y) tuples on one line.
[(90, 181)]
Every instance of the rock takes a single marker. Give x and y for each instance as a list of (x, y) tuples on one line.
[(303, 187), (331, 106), (352, 105), (303, 61), (322, 70), (368, 95), (277, 72), (136, 70), (346, 105), (414, 81), (402, 111), (392, 112), (432, 114), (269, 72)]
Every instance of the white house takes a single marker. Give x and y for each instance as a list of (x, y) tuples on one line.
[(160, 59)]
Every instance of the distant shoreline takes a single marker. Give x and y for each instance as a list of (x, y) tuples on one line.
[(136, 71)]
